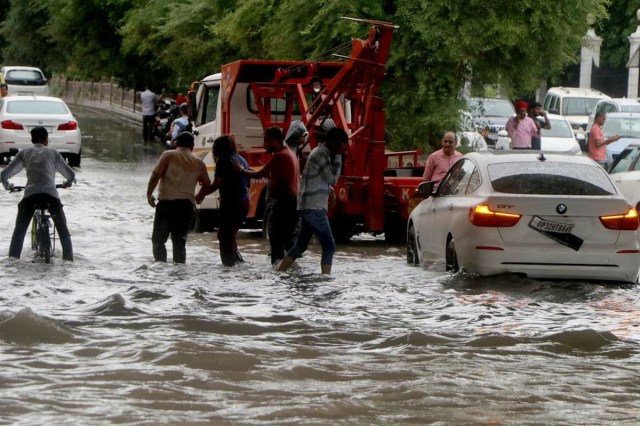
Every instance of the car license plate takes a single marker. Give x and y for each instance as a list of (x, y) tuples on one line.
[(549, 226), (49, 128), (560, 232)]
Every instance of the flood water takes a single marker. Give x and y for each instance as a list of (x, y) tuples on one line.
[(115, 338)]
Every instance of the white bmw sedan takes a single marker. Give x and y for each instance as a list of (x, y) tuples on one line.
[(20, 114), (538, 215)]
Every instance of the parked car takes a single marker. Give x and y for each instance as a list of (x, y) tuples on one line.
[(539, 215), (606, 106), (560, 138), (25, 80), (573, 103), (20, 114), (625, 172), (492, 113), (624, 124)]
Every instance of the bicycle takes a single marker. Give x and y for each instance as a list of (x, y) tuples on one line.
[(43, 233)]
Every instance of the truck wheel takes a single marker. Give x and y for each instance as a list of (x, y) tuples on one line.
[(204, 220), (266, 221), (395, 230), (412, 247), (343, 228)]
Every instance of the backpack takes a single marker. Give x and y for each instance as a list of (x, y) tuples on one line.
[(183, 127)]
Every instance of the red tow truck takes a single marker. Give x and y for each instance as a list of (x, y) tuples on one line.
[(248, 96)]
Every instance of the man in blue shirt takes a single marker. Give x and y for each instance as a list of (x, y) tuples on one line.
[(41, 164)]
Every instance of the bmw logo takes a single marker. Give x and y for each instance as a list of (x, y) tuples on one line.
[(561, 208)]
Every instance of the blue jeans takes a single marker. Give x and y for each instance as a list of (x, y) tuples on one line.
[(314, 222)]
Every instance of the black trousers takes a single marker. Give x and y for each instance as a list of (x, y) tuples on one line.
[(26, 207), (172, 217), (148, 122), (284, 219)]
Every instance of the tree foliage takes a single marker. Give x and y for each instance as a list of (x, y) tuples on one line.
[(440, 47)]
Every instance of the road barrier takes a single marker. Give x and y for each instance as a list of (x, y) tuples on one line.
[(101, 95)]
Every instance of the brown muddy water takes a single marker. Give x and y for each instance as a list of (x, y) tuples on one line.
[(114, 338)]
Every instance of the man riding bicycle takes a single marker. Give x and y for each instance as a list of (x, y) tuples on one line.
[(41, 164)]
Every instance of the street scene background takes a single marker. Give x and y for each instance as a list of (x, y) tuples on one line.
[(115, 337)]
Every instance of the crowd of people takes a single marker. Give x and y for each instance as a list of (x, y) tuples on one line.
[(298, 201)]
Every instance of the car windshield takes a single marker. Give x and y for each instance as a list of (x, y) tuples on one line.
[(627, 127), (30, 106), (490, 108), (559, 129), (23, 75), (578, 106), (550, 178), (624, 161)]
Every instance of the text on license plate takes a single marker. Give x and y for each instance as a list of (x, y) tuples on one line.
[(549, 226)]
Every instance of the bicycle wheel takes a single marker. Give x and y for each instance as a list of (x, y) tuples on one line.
[(34, 232), (44, 242)]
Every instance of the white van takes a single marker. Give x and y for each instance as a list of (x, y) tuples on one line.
[(25, 80), (574, 103)]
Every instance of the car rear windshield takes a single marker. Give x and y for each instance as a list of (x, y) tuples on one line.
[(33, 76), (30, 106), (550, 178)]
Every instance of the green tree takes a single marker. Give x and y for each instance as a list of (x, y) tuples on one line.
[(27, 42)]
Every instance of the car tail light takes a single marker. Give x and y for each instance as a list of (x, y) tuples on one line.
[(482, 215), (621, 222), (11, 125), (70, 125)]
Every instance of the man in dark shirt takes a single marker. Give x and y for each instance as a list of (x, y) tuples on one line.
[(284, 181)]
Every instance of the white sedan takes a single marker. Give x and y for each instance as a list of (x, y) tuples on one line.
[(20, 114), (538, 215)]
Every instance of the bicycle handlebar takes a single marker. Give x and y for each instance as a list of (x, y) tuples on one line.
[(18, 188)]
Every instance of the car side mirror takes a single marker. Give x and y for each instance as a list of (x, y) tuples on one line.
[(580, 137), (426, 189)]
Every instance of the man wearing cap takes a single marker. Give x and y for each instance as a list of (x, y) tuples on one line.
[(177, 172), (521, 128)]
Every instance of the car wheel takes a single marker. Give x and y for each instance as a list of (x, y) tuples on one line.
[(451, 261), (74, 159), (412, 247)]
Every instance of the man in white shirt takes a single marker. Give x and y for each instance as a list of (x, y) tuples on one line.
[(149, 101), (41, 164)]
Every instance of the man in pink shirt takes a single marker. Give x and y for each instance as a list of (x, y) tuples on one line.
[(440, 161), (521, 128), (597, 142)]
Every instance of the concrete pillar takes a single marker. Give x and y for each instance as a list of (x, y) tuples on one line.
[(589, 54), (634, 62)]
